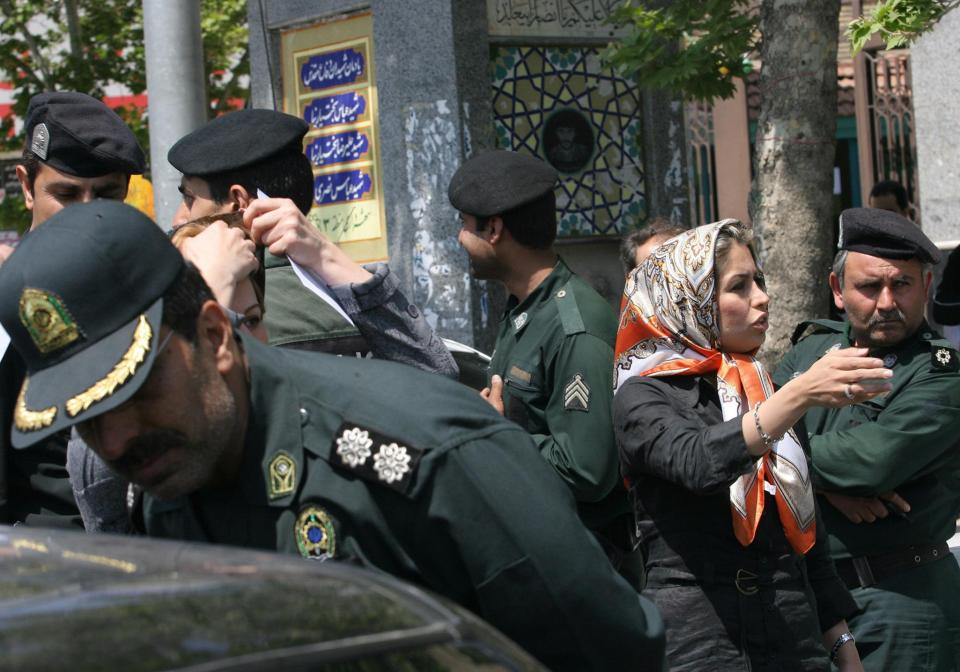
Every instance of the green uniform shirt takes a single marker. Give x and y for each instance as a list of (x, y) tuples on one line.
[(296, 317), (554, 352), (414, 474), (906, 441)]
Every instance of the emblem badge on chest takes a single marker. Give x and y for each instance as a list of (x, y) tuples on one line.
[(519, 321), (283, 475), (316, 538)]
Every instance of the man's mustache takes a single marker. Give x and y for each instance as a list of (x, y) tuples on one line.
[(141, 449), (894, 315)]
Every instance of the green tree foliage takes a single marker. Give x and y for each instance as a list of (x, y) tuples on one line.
[(694, 48), (85, 45), (898, 22)]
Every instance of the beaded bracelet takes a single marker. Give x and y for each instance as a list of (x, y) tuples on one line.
[(841, 640), (768, 440)]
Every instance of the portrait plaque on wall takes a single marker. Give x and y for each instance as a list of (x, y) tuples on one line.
[(329, 82)]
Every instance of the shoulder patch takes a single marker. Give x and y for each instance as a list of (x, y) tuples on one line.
[(818, 327), (944, 359), (576, 395), (375, 457), (569, 311)]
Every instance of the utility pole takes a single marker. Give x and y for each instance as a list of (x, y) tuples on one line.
[(176, 90)]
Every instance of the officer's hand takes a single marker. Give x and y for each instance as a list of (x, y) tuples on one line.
[(5, 252), (278, 225), (224, 256), (843, 377), (494, 394), (866, 509)]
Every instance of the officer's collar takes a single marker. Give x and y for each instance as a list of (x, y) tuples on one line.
[(544, 291)]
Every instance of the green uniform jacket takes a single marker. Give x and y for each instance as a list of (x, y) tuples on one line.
[(295, 317), (380, 464), (554, 352), (906, 441)]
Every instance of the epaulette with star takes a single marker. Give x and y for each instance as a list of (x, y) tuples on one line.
[(810, 327), (375, 457), (943, 358)]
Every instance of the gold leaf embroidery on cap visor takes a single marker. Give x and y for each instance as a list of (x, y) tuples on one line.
[(119, 374), (27, 420), (47, 320)]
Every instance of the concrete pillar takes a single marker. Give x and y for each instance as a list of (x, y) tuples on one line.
[(665, 157), (934, 61), (433, 90), (176, 90)]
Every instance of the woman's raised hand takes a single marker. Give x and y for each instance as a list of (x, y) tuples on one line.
[(843, 377)]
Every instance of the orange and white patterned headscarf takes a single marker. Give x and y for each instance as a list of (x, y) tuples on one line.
[(668, 327)]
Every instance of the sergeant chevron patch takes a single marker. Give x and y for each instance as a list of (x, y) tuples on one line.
[(576, 395)]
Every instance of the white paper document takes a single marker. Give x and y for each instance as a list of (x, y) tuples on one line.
[(309, 280)]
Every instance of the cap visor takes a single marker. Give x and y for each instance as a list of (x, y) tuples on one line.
[(93, 381)]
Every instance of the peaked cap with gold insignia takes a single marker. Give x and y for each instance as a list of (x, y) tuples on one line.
[(82, 302)]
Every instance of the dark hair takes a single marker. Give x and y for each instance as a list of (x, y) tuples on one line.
[(183, 300), (286, 174), (659, 226), (533, 224), (732, 232), (891, 188), (30, 163)]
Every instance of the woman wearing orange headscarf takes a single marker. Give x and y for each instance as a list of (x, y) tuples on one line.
[(718, 473)]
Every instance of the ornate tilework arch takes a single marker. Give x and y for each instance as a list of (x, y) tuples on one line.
[(538, 89)]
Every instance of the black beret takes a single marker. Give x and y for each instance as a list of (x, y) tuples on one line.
[(946, 302), (881, 233), (79, 135), (236, 140), (82, 301), (494, 182)]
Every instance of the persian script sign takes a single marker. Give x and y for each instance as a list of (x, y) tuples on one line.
[(335, 68), (344, 108), (351, 185), (551, 18), (328, 150), (329, 80)]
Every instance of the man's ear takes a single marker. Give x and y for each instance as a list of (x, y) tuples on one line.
[(496, 228), (214, 331), (25, 186), (239, 196), (836, 290), (927, 283)]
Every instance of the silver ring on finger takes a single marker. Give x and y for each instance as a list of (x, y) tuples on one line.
[(848, 392)]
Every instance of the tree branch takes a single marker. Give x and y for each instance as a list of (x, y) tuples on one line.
[(10, 10)]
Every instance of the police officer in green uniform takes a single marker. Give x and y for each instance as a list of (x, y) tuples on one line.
[(77, 150), (553, 359), (886, 468), (225, 163), (331, 458)]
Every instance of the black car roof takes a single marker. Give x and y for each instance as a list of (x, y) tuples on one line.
[(146, 604)]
